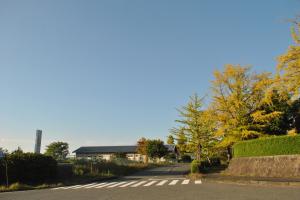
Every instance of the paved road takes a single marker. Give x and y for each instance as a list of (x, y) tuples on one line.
[(164, 183)]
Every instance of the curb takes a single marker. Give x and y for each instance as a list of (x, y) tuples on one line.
[(253, 182)]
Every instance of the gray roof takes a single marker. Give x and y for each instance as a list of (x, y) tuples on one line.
[(113, 149)]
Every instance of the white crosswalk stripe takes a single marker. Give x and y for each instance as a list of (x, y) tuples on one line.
[(70, 187), (97, 185), (107, 184), (150, 183), (115, 185), (174, 182), (134, 184), (138, 184), (127, 184), (83, 186), (162, 183), (185, 182)]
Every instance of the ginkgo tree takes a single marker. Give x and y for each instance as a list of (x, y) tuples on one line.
[(237, 95), (196, 127), (288, 67)]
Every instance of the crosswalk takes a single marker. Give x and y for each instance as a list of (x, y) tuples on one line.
[(132, 184)]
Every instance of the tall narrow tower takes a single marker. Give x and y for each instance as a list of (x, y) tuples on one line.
[(38, 141)]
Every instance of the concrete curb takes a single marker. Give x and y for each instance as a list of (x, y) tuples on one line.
[(252, 182)]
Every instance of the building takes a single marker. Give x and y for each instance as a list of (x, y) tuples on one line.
[(38, 141), (109, 152)]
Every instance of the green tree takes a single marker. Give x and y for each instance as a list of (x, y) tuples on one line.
[(142, 148), (18, 151), (5, 151), (181, 139), (156, 149), (170, 139), (196, 126), (58, 150)]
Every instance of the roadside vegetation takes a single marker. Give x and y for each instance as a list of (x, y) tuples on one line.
[(27, 171), (243, 105), (270, 146)]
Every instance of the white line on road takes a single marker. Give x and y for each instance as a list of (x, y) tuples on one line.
[(160, 179), (127, 184), (94, 186), (70, 187), (138, 184), (185, 182), (198, 182), (162, 183), (150, 183), (107, 184), (173, 182), (82, 186), (115, 185)]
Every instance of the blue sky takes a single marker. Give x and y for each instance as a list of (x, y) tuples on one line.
[(109, 72)]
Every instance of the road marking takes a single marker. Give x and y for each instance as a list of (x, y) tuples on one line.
[(94, 186), (127, 184), (150, 183), (173, 182), (198, 182), (138, 184), (161, 179), (70, 187), (107, 184), (162, 183), (82, 186), (185, 182), (115, 185)]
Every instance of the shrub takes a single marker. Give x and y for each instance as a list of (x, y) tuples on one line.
[(195, 165), (279, 145), (186, 158), (212, 162), (29, 168)]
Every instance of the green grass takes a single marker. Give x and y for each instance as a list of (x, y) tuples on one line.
[(278, 145), (19, 186)]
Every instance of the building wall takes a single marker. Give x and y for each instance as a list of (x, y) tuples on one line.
[(110, 156)]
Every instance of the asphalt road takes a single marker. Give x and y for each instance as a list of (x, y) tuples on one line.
[(164, 183)]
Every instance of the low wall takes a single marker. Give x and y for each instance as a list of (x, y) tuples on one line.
[(265, 166)]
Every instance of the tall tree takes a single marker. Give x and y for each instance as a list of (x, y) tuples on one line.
[(142, 148), (289, 65), (237, 95), (58, 150), (195, 126)]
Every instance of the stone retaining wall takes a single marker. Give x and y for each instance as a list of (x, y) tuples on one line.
[(265, 166)]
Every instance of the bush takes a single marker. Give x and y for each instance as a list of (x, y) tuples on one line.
[(186, 159), (195, 166), (28, 168), (279, 145), (212, 162)]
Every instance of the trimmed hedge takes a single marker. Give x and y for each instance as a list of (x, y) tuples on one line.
[(278, 145), (28, 168)]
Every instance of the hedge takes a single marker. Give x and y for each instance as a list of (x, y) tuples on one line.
[(28, 168), (278, 145)]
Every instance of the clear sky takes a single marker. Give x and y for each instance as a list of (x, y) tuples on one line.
[(108, 72)]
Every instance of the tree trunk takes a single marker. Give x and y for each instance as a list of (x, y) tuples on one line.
[(198, 153), (229, 156)]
